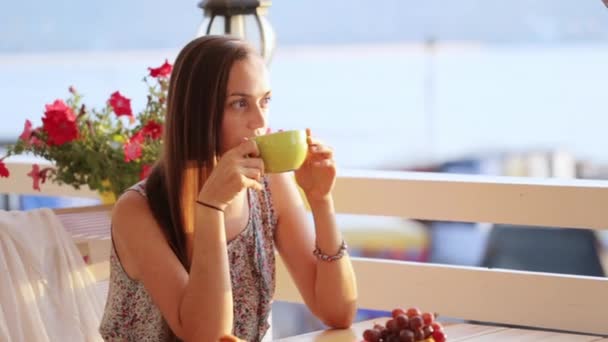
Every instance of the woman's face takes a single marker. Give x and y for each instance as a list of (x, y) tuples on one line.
[(247, 102)]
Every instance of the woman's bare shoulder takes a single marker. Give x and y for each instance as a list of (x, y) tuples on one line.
[(134, 230), (131, 208)]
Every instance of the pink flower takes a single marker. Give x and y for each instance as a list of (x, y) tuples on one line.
[(4, 170), (27, 132), (162, 71), (35, 174), (59, 122), (120, 104), (132, 150), (133, 147), (34, 138), (29, 135)]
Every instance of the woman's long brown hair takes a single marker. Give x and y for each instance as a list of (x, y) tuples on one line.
[(191, 141)]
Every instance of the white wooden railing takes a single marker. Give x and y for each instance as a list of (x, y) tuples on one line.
[(551, 301)]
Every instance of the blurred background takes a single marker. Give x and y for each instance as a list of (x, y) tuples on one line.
[(389, 84), (514, 88)]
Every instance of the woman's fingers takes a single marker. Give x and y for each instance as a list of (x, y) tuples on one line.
[(323, 163), (256, 163), (252, 172), (320, 155), (249, 179), (321, 151), (315, 146), (248, 148)]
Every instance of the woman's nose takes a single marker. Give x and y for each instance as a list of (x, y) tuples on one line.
[(257, 118)]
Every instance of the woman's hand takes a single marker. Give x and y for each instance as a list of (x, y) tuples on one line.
[(230, 338), (317, 175), (237, 169)]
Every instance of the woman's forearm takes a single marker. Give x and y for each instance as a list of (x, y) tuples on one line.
[(206, 307), (335, 284)]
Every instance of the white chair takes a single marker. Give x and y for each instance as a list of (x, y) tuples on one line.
[(47, 294)]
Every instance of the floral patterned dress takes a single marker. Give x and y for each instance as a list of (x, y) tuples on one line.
[(131, 315)]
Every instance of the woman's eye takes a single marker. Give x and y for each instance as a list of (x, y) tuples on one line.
[(238, 104), (266, 100)]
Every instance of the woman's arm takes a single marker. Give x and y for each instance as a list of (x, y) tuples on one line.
[(327, 287), (335, 284), (197, 306), (206, 305)]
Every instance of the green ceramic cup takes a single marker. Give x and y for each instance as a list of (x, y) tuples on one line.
[(282, 151)]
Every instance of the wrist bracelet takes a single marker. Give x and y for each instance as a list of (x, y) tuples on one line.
[(321, 256), (209, 205)]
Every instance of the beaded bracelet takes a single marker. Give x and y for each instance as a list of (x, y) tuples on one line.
[(321, 256)]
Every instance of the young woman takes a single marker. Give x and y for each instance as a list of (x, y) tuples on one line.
[(194, 244)]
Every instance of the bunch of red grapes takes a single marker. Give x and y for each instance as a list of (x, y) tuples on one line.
[(407, 326)]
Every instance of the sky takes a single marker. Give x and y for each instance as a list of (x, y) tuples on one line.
[(67, 25)]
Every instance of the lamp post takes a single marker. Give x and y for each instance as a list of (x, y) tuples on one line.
[(245, 19), (429, 96)]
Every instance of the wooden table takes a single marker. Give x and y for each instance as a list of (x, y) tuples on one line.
[(455, 332)]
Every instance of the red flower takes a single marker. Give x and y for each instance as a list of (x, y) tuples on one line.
[(59, 122), (120, 104), (29, 135), (132, 150), (162, 71), (145, 171), (35, 174), (3, 170), (153, 130), (34, 140), (137, 137), (27, 132)]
